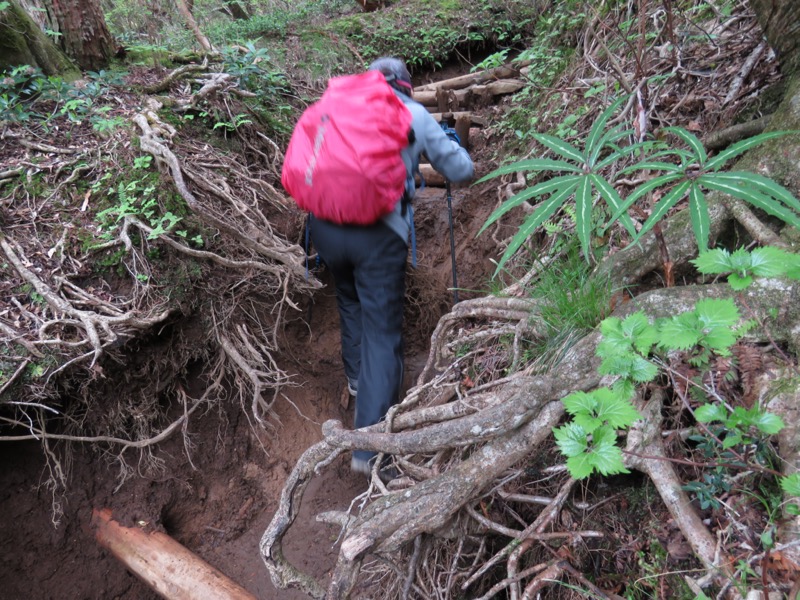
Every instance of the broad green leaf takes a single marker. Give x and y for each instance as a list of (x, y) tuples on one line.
[(560, 147), (739, 283), (679, 333), (713, 262), (768, 423), (583, 215), (660, 210), (539, 216), (571, 439), (534, 164), (708, 413), (720, 339), (616, 412), (732, 438), (698, 211), (637, 328), (791, 484), (612, 198), (642, 370), (580, 466), (692, 141), (579, 402), (741, 147), (605, 455), (717, 312), (588, 422), (741, 261), (768, 261), (551, 185)]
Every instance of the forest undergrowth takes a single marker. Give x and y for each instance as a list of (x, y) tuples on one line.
[(142, 211)]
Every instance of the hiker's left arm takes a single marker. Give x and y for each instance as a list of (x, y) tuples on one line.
[(446, 156)]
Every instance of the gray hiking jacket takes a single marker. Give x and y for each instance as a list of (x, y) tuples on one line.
[(445, 155)]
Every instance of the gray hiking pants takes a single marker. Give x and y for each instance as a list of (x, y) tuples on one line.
[(368, 264)]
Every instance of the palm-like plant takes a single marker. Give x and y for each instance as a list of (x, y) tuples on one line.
[(695, 173), (579, 178)]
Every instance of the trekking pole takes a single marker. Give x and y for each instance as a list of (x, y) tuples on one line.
[(452, 240)]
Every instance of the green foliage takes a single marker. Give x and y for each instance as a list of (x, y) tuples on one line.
[(587, 452), (582, 181), (625, 344), (577, 175), (744, 265), (27, 95), (696, 173)]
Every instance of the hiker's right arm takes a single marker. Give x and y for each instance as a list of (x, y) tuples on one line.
[(446, 156)]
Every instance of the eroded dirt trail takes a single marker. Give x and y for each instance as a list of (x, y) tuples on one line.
[(219, 500)]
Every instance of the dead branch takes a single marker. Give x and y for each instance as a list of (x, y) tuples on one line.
[(718, 140), (644, 440), (172, 77)]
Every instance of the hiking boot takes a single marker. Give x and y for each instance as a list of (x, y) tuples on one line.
[(352, 387)]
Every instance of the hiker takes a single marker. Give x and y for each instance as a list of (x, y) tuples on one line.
[(368, 264)]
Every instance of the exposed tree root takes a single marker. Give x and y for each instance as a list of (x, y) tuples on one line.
[(460, 460)]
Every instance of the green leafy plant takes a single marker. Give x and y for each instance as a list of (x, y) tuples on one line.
[(711, 327), (590, 441), (581, 181), (695, 173), (744, 265)]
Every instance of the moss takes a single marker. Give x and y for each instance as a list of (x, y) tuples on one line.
[(23, 43)]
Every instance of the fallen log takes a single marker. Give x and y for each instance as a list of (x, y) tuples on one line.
[(463, 81), (456, 99), (162, 563), (452, 117)]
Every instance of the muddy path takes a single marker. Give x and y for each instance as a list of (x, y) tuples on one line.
[(217, 492)]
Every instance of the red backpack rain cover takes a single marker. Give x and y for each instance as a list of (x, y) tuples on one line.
[(343, 163)]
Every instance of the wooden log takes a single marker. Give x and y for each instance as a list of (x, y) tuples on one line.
[(432, 177), (162, 563), (454, 117), (462, 128), (462, 81), (427, 98)]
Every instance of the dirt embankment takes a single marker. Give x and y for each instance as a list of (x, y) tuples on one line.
[(216, 489)]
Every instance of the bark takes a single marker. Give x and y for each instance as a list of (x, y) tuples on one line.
[(482, 77), (193, 26), (22, 42), (780, 20), (84, 34), (163, 564)]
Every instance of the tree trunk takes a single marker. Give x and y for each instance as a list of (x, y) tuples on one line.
[(84, 35), (192, 24), (22, 42), (780, 20)]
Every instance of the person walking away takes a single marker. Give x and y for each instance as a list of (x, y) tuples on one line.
[(368, 264)]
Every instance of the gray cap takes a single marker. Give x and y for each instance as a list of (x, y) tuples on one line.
[(395, 70)]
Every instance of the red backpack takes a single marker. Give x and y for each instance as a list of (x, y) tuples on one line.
[(343, 163)]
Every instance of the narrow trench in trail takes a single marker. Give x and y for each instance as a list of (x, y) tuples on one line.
[(218, 499)]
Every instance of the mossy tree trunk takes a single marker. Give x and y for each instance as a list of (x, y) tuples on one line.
[(780, 20), (22, 42), (84, 34)]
